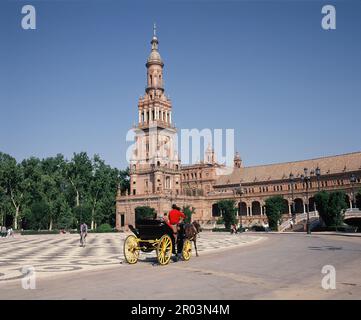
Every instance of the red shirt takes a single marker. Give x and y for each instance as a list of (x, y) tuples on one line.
[(175, 215)]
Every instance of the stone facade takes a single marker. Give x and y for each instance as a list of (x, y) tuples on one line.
[(157, 178)]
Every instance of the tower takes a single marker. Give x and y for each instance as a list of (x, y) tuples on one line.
[(210, 156), (155, 167), (237, 160)]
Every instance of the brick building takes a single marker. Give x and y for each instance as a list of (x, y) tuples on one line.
[(157, 178)]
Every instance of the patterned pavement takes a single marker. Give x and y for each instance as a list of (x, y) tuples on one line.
[(56, 254)]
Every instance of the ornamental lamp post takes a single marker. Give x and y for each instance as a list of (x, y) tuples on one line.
[(292, 182), (306, 180), (239, 191), (318, 175), (353, 181)]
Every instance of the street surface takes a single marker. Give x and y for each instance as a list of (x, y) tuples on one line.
[(247, 266)]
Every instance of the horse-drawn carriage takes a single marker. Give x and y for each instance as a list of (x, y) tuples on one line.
[(156, 235)]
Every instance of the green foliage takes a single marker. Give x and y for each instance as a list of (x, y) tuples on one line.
[(228, 210), (82, 214), (188, 211), (144, 212), (58, 193), (331, 207), (358, 199), (220, 220), (38, 216), (66, 219), (105, 227), (34, 232), (275, 206)]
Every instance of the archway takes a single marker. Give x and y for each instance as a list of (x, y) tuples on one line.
[(299, 205), (256, 208), (242, 209), (215, 210)]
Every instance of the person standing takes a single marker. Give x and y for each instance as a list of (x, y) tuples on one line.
[(176, 217), (83, 233)]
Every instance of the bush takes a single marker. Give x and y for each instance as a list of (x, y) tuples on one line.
[(228, 209), (188, 211), (258, 228), (105, 227), (144, 212), (33, 232), (343, 228), (38, 216), (358, 199), (331, 207), (275, 206), (220, 220)]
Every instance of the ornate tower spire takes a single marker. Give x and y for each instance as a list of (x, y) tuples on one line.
[(155, 108), (154, 68)]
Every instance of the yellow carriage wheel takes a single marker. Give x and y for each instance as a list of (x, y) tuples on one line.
[(131, 249), (164, 249), (187, 250)]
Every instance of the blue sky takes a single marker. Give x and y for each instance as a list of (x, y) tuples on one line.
[(290, 89)]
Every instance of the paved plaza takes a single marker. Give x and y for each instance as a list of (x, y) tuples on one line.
[(247, 266), (57, 254)]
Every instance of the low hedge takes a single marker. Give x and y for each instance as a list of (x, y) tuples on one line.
[(338, 228), (32, 232), (44, 232)]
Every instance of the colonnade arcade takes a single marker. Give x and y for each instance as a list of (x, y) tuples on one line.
[(258, 207)]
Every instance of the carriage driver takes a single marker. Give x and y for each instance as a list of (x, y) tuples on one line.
[(175, 217)]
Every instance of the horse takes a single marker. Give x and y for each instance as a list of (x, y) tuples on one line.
[(190, 232)]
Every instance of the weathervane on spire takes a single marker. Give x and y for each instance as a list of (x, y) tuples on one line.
[(154, 30)]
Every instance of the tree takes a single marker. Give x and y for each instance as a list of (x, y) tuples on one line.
[(103, 186), (54, 192), (188, 211), (144, 212), (65, 217), (79, 173), (5, 205), (274, 207), (228, 210), (337, 207), (54, 186), (358, 199), (82, 214), (37, 217), (322, 199), (12, 183), (331, 207)]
